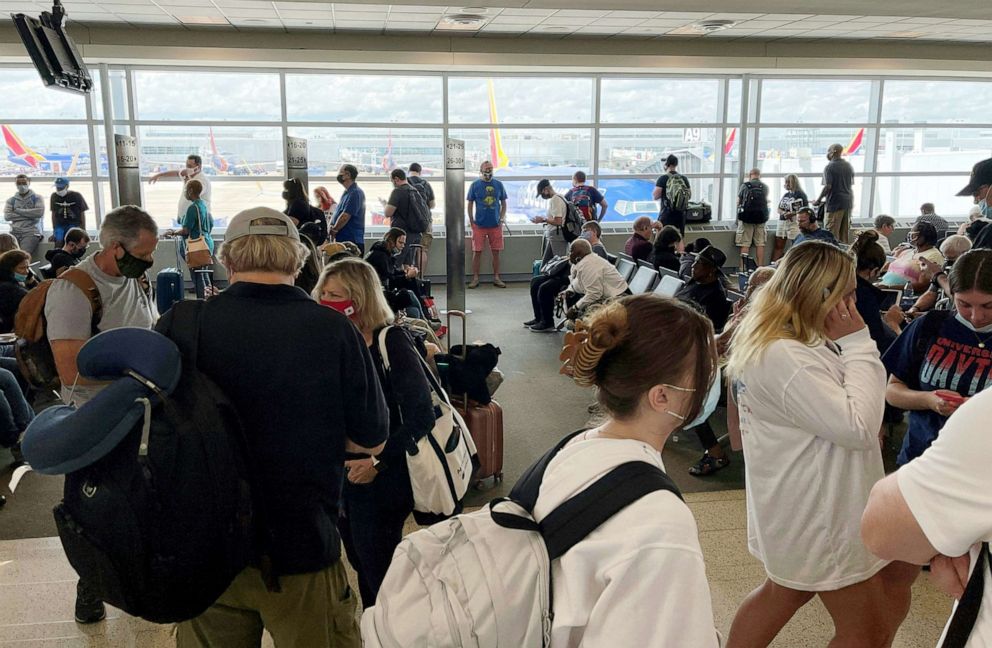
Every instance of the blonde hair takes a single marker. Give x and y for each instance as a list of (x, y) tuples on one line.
[(811, 279), (623, 360), (264, 252), (372, 311)]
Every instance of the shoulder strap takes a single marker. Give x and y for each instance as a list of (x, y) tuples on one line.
[(963, 622), (85, 283), (381, 343), (582, 514), (526, 489)]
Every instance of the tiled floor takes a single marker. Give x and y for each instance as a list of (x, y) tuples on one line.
[(37, 589)]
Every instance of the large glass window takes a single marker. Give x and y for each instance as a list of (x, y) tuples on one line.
[(226, 150), (787, 101), (207, 96), (26, 97), (659, 101), (373, 151), (932, 149), (903, 195), (804, 149), (641, 150), (520, 100), (47, 150), (363, 98), (228, 196), (936, 102), (527, 151)]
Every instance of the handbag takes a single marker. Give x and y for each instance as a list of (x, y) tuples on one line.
[(197, 251), (441, 462)]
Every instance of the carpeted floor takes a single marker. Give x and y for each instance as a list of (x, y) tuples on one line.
[(539, 405)]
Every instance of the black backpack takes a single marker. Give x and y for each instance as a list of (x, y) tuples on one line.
[(162, 534), (571, 228), (419, 218), (318, 216), (754, 204)]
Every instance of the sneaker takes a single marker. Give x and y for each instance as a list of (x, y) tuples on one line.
[(499, 283), (89, 609), (543, 327), (474, 283), (530, 323)]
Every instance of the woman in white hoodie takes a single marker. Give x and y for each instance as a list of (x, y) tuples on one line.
[(811, 391), (638, 579)]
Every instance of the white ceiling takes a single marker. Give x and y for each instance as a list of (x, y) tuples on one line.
[(246, 15)]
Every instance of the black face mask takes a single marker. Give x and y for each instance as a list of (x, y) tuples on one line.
[(285, 195), (131, 266), (341, 178), (79, 253)]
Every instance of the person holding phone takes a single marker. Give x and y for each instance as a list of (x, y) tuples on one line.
[(942, 359), (192, 171), (870, 258), (809, 386)]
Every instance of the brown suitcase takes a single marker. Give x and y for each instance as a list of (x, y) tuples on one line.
[(485, 424)]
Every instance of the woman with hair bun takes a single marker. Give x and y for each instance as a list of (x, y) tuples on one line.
[(639, 579), (810, 389), (870, 259)]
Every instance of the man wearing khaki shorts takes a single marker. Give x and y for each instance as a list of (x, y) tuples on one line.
[(752, 214), (838, 178)]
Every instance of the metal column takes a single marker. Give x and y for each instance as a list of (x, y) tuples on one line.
[(128, 174), (296, 160), (454, 221)]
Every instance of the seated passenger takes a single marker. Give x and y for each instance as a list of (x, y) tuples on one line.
[(544, 289), (810, 230), (920, 380), (668, 247), (907, 269), (688, 258), (869, 259), (705, 289), (952, 248), (928, 214), (396, 277), (70, 253), (593, 281), (593, 232), (377, 496), (329, 403), (649, 551), (13, 275), (884, 226), (638, 246)]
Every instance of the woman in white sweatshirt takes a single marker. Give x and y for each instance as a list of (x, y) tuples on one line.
[(639, 579), (811, 391)]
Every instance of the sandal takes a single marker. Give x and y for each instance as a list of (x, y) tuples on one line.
[(709, 465)]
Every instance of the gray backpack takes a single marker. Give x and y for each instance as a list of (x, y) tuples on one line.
[(419, 217), (483, 579)]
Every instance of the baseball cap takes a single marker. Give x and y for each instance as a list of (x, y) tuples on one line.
[(61, 183), (981, 174), (542, 185), (241, 225)]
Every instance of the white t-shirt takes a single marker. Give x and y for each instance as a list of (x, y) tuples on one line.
[(204, 195), (556, 210), (949, 491), (809, 419), (639, 579)]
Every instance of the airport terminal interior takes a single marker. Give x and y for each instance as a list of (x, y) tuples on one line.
[(250, 93)]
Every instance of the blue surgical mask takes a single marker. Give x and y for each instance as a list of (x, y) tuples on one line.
[(983, 205), (970, 326), (20, 277), (586, 236), (709, 405)]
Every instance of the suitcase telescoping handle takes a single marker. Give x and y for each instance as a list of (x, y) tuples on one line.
[(464, 354)]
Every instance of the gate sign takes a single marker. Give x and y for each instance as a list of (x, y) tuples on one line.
[(692, 135), (296, 153), (127, 151)]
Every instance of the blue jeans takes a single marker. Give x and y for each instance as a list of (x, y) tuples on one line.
[(15, 413)]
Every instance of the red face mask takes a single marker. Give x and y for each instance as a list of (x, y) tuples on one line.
[(346, 307)]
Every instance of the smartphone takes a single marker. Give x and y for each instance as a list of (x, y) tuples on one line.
[(951, 397)]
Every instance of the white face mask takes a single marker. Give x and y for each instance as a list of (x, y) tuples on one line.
[(62, 192), (709, 406), (23, 189), (970, 326)]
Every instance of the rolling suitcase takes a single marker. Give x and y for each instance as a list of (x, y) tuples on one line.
[(485, 423), (169, 287)]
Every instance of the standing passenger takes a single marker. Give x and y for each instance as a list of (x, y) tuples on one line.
[(349, 217), (486, 207), (24, 211), (838, 178), (303, 406), (811, 461)]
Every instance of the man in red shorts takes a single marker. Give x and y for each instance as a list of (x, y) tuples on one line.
[(486, 207)]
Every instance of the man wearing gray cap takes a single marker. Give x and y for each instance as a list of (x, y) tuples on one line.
[(302, 381)]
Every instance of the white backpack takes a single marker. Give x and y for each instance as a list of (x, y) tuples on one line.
[(441, 470), (483, 579)]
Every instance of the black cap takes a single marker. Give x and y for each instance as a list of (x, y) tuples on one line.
[(713, 256), (981, 174), (542, 185)]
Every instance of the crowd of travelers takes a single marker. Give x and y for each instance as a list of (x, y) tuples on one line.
[(812, 359)]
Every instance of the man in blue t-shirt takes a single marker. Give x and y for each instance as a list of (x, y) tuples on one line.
[(955, 359), (348, 223), (486, 207), (586, 198)]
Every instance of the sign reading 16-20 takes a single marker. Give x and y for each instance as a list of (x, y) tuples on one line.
[(126, 149)]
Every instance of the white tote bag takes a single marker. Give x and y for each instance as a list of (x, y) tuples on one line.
[(441, 469)]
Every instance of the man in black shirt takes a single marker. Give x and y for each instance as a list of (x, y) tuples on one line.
[(705, 289), (427, 191), (63, 258), (401, 212), (68, 210), (668, 189), (838, 179), (305, 400)]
